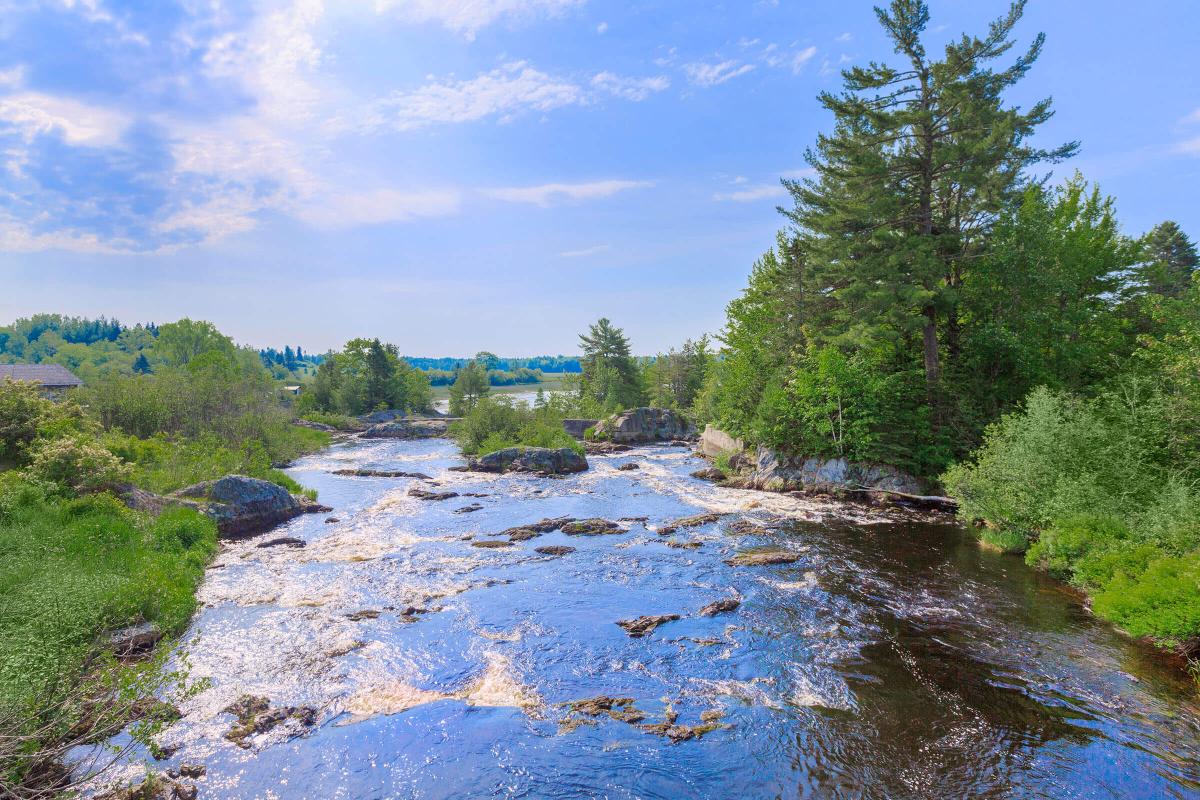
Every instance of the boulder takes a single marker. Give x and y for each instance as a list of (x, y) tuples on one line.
[(243, 506), (720, 607), (554, 550), (592, 527), (629, 466), (645, 425), (763, 557), (709, 474), (408, 429), (578, 427), (778, 472), (283, 541), (542, 460), (377, 417), (715, 442)]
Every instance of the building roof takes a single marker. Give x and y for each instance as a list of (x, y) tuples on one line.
[(53, 375)]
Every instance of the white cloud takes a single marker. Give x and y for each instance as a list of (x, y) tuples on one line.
[(707, 75), (845, 37), (1192, 118), (79, 123), (585, 252), (752, 193), (602, 27), (549, 193), (801, 58), (468, 17), (378, 206), (1189, 147), (636, 89), (505, 91)]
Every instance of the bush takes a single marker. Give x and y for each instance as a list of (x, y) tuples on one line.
[(77, 464), (342, 422), (496, 423), (1161, 603)]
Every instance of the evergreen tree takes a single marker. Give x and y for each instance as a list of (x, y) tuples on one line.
[(141, 365), (1169, 260), (610, 374), (922, 160), (380, 372)]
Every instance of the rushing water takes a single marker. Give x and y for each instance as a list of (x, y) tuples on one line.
[(894, 659)]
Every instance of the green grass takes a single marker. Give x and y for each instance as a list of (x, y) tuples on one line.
[(71, 570), (342, 422)]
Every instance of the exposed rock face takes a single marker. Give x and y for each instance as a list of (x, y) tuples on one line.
[(542, 460), (714, 442), (408, 429), (577, 427), (645, 425), (780, 473), (243, 506)]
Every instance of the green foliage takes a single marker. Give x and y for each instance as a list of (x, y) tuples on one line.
[(181, 342), (161, 464), (70, 570), (497, 422), (342, 422), (1161, 602), (368, 375), (470, 384), (676, 378), (610, 380), (76, 464)]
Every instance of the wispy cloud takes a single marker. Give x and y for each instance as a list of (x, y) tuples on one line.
[(713, 74), (635, 89), (585, 252), (548, 194), (502, 92), (468, 17), (1188, 147), (801, 58), (751, 194), (379, 206)]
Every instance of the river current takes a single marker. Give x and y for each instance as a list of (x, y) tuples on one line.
[(893, 658)]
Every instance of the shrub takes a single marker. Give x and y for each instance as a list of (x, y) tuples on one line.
[(1162, 603), (342, 422), (77, 464), (496, 423)]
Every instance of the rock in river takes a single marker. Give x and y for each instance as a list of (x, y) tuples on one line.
[(644, 625), (694, 521), (720, 607), (554, 550), (541, 460), (645, 425), (425, 494), (764, 557), (243, 506), (592, 527)]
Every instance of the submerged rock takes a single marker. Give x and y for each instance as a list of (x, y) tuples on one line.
[(492, 543), (425, 494), (621, 709), (759, 558), (676, 543), (382, 473), (643, 625), (592, 527), (540, 460), (644, 425), (720, 607), (283, 541), (153, 787), (469, 509), (670, 729), (255, 716), (368, 613), (694, 521), (744, 527), (554, 550)]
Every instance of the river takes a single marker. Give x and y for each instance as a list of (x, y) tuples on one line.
[(894, 658)]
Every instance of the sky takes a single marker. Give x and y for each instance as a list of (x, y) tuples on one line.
[(462, 175)]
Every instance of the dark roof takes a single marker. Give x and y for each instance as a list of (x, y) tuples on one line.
[(46, 374)]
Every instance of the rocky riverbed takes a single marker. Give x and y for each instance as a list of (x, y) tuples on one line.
[(643, 633)]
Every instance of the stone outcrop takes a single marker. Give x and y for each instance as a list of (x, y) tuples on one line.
[(408, 429), (578, 427), (242, 506), (715, 442), (541, 460), (776, 472), (639, 425)]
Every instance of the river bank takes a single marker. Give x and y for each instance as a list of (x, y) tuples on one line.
[(880, 655)]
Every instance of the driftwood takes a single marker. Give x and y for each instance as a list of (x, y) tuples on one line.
[(936, 502)]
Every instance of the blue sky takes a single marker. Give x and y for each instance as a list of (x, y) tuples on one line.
[(458, 175)]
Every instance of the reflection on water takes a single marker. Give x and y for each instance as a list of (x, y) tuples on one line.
[(891, 659)]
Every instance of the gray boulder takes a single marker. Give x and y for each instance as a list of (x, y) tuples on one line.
[(778, 472), (408, 429), (376, 417), (243, 506), (645, 425), (577, 427), (542, 460)]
